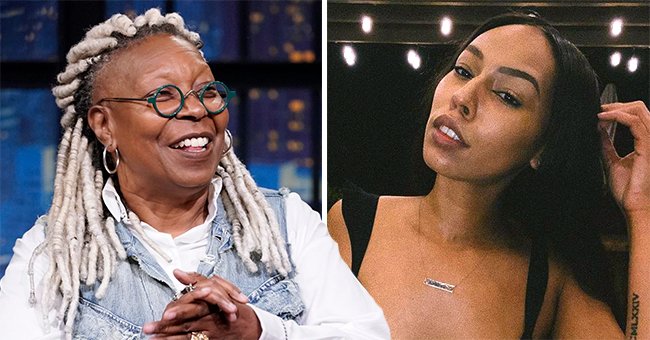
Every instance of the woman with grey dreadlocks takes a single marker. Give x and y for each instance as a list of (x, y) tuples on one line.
[(156, 228)]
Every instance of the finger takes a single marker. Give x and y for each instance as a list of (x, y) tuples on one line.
[(637, 108), (187, 311), (638, 130), (212, 295), (233, 291), (166, 328), (609, 152), (172, 337), (220, 299), (187, 278)]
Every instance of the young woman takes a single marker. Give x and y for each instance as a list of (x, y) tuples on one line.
[(500, 247)]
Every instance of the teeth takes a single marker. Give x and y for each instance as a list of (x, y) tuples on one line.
[(191, 142), (449, 132)]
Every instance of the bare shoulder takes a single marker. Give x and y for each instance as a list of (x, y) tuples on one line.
[(339, 231), (578, 314), (390, 207)]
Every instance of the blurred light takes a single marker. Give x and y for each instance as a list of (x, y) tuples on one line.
[(633, 64), (366, 24), (615, 59), (349, 55), (616, 27), (413, 58), (445, 26)]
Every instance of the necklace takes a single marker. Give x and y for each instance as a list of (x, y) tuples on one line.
[(445, 286)]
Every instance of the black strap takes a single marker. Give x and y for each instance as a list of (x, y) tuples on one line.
[(359, 210), (535, 286)]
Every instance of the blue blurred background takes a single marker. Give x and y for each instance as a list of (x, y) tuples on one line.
[(268, 51)]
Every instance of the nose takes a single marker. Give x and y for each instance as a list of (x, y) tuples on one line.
[(464, 100), (192, 107)]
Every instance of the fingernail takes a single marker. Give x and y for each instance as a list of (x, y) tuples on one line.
[(205, 290), (243, 297), (148, 328), (169, 315), (232, 317)]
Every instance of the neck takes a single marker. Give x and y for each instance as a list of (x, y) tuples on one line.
[(169, 214), (462, 214)]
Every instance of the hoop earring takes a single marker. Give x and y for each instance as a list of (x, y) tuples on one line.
[(117, 161), (230, 144)]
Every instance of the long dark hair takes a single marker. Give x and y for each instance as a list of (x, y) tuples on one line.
[(556, 201)]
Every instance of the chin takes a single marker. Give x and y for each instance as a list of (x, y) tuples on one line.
[(195, 180)]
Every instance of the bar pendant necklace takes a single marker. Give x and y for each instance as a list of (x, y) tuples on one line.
[(449, 288)]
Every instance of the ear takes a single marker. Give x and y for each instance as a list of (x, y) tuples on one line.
[(536, 161), (99, 122)]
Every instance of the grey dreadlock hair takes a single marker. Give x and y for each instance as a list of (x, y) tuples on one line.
[(81, 242)]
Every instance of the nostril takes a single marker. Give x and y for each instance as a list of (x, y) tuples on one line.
[(464, 110)]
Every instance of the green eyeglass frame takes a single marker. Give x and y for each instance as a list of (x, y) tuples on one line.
[(223, 91)]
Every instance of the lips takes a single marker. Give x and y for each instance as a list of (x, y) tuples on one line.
[(449, 130)]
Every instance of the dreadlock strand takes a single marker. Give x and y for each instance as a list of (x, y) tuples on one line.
[(250, 237), (237, 233), (61, 165), (279, 256), (137, 226), (251, 208), (115, 240)]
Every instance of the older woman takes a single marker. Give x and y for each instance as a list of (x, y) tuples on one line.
[(501, 247), (143, 238)]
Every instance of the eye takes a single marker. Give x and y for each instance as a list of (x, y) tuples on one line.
[(463, 72), (164, 95), (509, 99), (214, 91), (210, 92)]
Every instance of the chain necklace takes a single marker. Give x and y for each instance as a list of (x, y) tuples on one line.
[(444, 286)]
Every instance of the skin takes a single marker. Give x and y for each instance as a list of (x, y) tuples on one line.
[(168, 188), (455, 233)]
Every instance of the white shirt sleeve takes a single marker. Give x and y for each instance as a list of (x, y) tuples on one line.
[(19, 320), (336, 305)]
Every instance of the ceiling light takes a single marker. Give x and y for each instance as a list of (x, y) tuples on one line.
[(445, 26), (349, 55), (615, 59), (633, 64), (616, 27), (366, 24), (413, 58)]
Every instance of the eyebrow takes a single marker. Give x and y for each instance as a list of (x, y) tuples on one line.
[(519, 74), (475, 51), (504, 69)]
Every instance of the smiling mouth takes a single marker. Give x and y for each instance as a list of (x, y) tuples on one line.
[(196, 144)]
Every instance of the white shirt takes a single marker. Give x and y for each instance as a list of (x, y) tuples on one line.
[(336, 305)]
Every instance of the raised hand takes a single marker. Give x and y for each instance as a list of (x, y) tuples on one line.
[(629, 176)]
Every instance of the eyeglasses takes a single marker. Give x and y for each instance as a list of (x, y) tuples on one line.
[(168, 100)]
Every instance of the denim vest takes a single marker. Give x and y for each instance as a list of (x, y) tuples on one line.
[(140, 289)]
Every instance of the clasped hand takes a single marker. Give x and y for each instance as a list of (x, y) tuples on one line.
[(216, 307)]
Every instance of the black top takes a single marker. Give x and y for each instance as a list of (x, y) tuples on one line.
[(359, 209)]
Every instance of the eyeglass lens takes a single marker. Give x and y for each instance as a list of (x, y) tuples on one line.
[(213, 96)]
